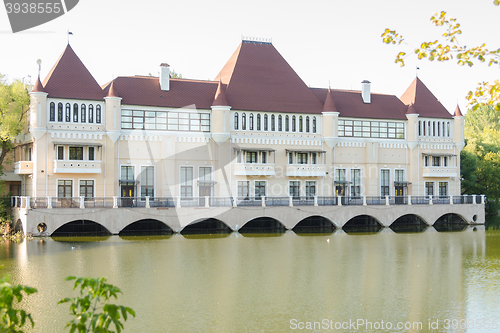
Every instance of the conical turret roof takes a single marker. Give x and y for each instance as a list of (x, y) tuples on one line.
[(220, 96), (38, 87), (329, 105), (424, 101)]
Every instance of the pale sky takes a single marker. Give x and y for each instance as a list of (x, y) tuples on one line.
[(334, 42)]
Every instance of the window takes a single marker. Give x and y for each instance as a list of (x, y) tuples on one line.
[(341, 184), (290, 158), (427, 161), (68, 112), (384, 182), (293, 124), (263, 157), (186, 182), (76, 153), (91, 153), (313, 158), (205, 174), (371, 129), (236, 121), (75, 113), (60, 152), (340, 175), (258, 122), (265, 122), (445, 161), (429, 188), (436, 160), (59, 112), (238, 156), (294, 189), (310, 189), (273, 123), (64, 188), (355, 182), (162, 120), (84, 111), (87, 189), (250, 122), (399, 175), (280, 123), (300, 124), (287, 124), (443, 189), (243, 121), (52, 111), (301, 158), (307, 124), (251, 157), (147, 181), (448, 129), (98, 114), (244, 190), (314, 124), (91, 113), (260, 189), (127, 173)]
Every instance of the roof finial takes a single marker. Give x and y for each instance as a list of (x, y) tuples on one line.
[(39, 62), (416, 71), (69, 33)]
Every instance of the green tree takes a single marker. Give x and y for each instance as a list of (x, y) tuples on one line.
[(11, 318), (92, 310), (448, 47)]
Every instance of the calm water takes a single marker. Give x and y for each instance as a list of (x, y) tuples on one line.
[(272, 284)]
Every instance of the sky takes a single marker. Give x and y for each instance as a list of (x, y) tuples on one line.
[(328, 43)]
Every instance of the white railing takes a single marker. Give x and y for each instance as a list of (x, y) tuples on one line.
[(71, 166)]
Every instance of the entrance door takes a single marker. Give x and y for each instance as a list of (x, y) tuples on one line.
[(400, 192), (127, 196)]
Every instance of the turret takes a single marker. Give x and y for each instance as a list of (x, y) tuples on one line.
[(112, 113), (412, 126), (220, 116), (330, 117), (38, 110), (458, 128)]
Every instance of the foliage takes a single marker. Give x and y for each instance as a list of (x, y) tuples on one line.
[(14, 104), (12, 319), (448, 48), (87, 307), (175, 75)]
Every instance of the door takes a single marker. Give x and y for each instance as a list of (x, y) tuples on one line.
[(127, 196), (400, 192)]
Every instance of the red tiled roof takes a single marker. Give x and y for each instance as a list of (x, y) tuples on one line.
[(145, 90), (329, 105), (426, 104), (220, 96), (458, 113), (112, 90), (350, 104), (69, 78), (259, 79), (38, 86)]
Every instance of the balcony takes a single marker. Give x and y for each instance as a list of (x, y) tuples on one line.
[(254, 169), (67, 166), (23, 168), (305, 170), (440, 171)]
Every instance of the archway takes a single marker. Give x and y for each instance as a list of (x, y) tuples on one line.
[(362, 223), (450, 222), (18, 226), (146, 227), (314, 224), (81, 228), (206, 226), (408, 223), (263, 225)]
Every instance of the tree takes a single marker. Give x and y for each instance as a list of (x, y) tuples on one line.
[(14, 105), (448, 48), (87, 307), (12, 319)]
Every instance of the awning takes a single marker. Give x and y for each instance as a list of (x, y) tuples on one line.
[(305, 151), (255, 149), (76, 144), (438, 155), (129, 182), (206, 182), (402, 183), (342, 182)]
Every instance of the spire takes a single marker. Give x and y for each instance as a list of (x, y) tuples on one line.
[(411, 109), (112, 90), (458, 113), (329, 105), (220, 96), (38, 87)]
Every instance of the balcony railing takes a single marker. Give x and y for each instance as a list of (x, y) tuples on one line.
[(23, 167), (254, 169), (305, 170), (71, 166), (206, 202)]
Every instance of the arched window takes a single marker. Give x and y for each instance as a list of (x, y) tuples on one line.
[(280, 123), (287, 124), (258, 122), (68, 112), (52, 111), (83, 118), (236, 121), (265, 122), (444, 131), (91, 113), (98, 114), (75, 113), (60, 112), (433, 128), (314, 124), (300, 124), (272, 123), (307, 124), (243, 121), (439, 128), (429, 129), (250, 122), (419, 128), (448, 129), (294, 128)]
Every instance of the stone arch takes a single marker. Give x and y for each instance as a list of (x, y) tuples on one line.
[(264, 224), (314, 224), (146, 227), (409, 223), (81, 228), (451, 222), (362, 223), (206, 226), (18, 226)]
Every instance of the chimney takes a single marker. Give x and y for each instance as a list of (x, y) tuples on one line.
[(365, 91), (165, 77)]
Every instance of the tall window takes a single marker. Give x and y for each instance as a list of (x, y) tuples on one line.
[(263, 157), (75, 113), (445, 161), (260, 189), (68, 112), (290, 158), (399, 176), (236, 121), (307, 124), (91, 153), (310, 189), (429, 188), (287, 124), (52, 111), (127, 173), (355, 182), (443, 189), (147, 181), (314, 124), (427, 161), (250, 122), (87, 189), (244, 190), (251, 157), (59, 112), (258, 122), (64, 188), (265, 122), (60, 152), (272, 123), (243, 121), (186, 182), (300, 124), (314, 158), (91, 113), (84, 111), (98, 114), (301, 158), (384, 182), (436, 160), (280, 123), (76, 153), (293, 124), (294, 190)]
